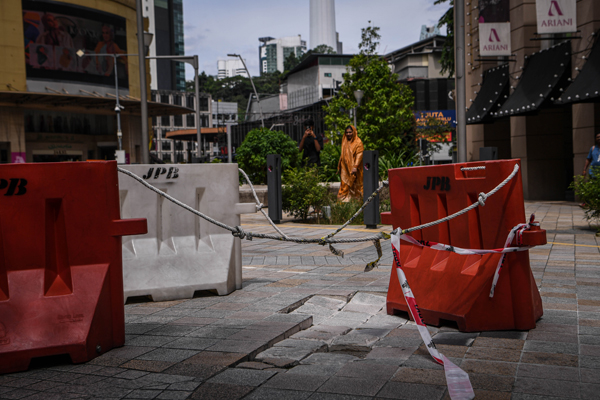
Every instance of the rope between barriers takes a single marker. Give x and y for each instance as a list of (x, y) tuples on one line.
[(259, 205), (326, 240)]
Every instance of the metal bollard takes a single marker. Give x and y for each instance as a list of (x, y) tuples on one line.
[(274, 186), (370, 184)]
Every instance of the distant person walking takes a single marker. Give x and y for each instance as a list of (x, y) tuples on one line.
[(593, 158), (350, 166), (311, 144)]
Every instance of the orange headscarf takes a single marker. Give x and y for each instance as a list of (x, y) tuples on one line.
[(352, 155)]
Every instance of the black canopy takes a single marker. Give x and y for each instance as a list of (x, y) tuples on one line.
[(586, 86), (493, 91), (545, 73)]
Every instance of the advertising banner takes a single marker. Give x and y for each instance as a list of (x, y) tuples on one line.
[(53, 32), (494, 28), (556, 16), (438, 124)]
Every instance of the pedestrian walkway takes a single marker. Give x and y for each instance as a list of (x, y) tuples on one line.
[(309, 325)]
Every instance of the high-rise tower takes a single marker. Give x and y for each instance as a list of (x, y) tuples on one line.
[(166, 22), (322, 24)]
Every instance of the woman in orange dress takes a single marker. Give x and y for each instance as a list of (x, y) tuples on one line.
[(350, 166)]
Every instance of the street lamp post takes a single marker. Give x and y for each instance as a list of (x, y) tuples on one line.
[(193, 61), (120, 155), (262, 120), (358, 94)]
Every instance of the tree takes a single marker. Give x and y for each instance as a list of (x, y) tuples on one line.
[(290, 62), (447, 60), (323, 49), (385, 119), (320, 49), (260, 142), (236, 88)]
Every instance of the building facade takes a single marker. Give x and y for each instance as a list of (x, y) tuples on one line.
[(314, 79), (224, 112), (273, 52), (178, 150), (230, 68), (166, 23), (419, 67), (56, 106), (519, 103)]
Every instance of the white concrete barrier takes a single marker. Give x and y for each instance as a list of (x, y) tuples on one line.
[(182, 253)]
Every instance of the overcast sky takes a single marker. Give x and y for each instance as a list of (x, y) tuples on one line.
[(213, 28)]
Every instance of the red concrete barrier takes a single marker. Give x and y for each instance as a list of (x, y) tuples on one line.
[(61, 279), (455, 287)]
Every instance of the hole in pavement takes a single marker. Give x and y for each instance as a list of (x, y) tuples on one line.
[(50, 361), (139, 299), (205, 293)]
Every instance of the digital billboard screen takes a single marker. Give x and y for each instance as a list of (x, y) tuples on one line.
[(54, 32)]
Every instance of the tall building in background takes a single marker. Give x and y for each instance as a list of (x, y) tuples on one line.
[(166, 22), (272, 52), (229, 68), (322, 25)]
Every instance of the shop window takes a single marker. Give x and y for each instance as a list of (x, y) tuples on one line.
[(190, 120), (166, 157), (165, 120), (166, 145), (178, 120)]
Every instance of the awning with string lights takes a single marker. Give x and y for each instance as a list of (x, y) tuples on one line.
[(546, 74), (492, 94), (586, 86)]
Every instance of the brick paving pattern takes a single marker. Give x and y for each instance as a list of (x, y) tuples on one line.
[(309, 325)]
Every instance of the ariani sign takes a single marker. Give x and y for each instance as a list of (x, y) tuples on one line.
[(556, 16)]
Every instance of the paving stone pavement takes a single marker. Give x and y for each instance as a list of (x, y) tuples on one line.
[(309, 325)]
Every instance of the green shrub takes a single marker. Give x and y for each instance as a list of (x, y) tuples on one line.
[(330, 157), (252, 153), (342, 212), (588, 191), (302, 191), (404, 158)]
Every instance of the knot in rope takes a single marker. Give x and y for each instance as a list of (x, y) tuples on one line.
[(385, 183), (239, 232), (260, 206), (482, 198)]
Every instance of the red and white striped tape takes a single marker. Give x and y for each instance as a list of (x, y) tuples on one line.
[(515, 231), (459, 385)]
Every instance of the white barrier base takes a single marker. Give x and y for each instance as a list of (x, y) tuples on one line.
[(182, 253)]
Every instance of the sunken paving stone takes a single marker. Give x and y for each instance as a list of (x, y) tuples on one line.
[(325, 323)]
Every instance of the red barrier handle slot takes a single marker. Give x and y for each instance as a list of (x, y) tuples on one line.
[(126, 227), (386, 218)]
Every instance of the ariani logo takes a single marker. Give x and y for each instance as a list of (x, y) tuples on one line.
[(493, 35), (556, 9), (495, 42)]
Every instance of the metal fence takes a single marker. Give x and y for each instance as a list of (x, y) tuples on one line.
[(291, 122)]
